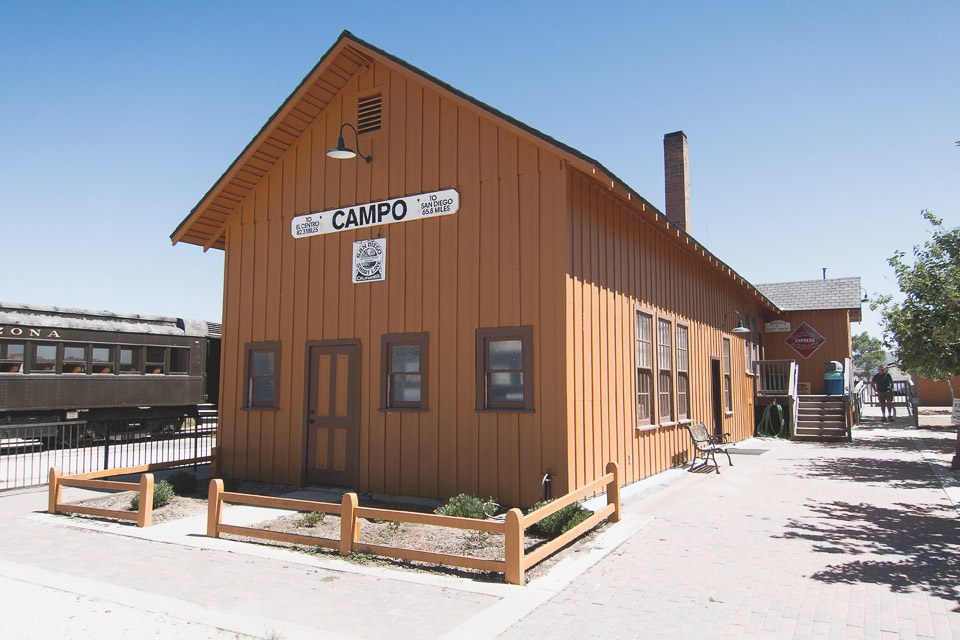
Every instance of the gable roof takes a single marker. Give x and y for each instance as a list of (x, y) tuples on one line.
[(811, 295), (205, 225)]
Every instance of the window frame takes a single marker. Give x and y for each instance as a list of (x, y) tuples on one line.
[(249, 349), (682, 366), (387, 342), (665, 352), (6, 362), (486, 335), (725, 367), (651, 394)]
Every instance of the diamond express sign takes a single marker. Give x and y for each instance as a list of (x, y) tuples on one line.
[(805, 340), (374, 214)]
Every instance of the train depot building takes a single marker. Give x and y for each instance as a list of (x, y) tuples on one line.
[(468, 305)]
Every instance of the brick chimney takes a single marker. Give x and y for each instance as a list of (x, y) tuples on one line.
[(676, 170)]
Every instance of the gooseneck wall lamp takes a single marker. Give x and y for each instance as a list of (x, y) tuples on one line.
[(342, 151), (739, 328)]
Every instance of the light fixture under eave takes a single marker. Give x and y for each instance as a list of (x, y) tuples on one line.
[(739, 328), (342, 151)]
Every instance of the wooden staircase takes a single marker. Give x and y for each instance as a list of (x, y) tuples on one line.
[(821, 419)]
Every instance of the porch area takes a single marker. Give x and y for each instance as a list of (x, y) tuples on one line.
[(783, 411)]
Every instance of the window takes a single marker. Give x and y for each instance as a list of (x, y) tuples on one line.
[(505, 368), (751, 344), (44, 358), (11, 357), (403, 371), (156, 360), (130, 359), (101, 358), (179, 360), (74, 358), (665, 368), (727, 383), (262, 364), (683, 373), (644, 357)]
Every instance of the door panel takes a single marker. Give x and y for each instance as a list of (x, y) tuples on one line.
[(333, 414)]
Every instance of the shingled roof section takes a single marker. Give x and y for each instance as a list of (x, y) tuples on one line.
[(810, 295)]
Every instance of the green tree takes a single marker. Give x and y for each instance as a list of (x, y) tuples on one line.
[(924, 329), (868, 354)]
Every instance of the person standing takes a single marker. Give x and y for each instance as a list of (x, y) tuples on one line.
[(882, 383)]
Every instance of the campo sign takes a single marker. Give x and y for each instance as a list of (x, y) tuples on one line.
[(425, 205), (805, 340)]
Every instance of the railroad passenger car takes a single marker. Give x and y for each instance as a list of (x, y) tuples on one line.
[(99, 369)]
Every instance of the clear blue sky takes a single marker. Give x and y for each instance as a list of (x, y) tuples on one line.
[(817, 130)]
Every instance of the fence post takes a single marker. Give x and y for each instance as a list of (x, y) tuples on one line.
[(213, 461), (513, 547), (54, 496), (349, 529), (214, 506), (145, 512), (613, 491)]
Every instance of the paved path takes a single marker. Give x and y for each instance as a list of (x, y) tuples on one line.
[(795, 540)]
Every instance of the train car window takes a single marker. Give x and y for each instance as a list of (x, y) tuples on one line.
[(11, 357), (130, 359), (74, 359), (103, 359), (179, 360), (156, 360), (44, 358)]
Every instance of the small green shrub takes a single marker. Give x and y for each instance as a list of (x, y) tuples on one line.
[(162, 494), (465, 506), (183, 483), (561, 521), (311, 519)]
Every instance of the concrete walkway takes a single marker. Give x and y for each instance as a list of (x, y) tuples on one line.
[(796, 540)]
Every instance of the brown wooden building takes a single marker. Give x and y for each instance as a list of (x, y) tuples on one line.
[(814, 324), (536, 316)]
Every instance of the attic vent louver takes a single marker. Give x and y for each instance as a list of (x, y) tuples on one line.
[(369, 113)]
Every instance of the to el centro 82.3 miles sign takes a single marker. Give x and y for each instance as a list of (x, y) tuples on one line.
[(418, 207)]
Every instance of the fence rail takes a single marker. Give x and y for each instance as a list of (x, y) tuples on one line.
[(515, 563), (28, 451), (92, 480)]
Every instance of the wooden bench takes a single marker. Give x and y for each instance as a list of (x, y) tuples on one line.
[(706, 446)]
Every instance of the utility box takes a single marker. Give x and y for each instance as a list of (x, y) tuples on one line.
[(833, 378)]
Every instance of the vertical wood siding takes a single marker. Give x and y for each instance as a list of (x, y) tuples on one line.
[(497, 262), (832, 324), (534, 243), (619, 258)]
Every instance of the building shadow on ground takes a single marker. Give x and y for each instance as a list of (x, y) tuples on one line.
[(906, 546)]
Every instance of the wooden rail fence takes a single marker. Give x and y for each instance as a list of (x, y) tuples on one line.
[(93, 480), (515, 563)]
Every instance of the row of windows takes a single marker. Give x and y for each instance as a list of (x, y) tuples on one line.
[(663, 384), (504, 370), (73, 358)]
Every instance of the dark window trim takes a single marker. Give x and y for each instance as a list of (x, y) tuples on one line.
[(388, 340), (249, 348), (726, 370), (651, 370), (685, 372), (669, 370), (485, 335)]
